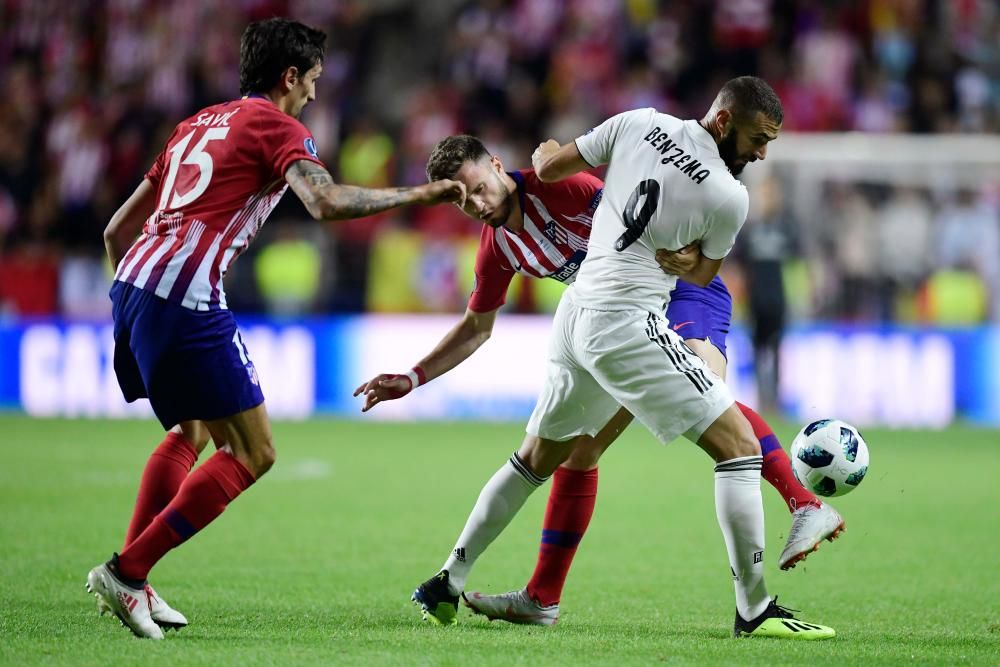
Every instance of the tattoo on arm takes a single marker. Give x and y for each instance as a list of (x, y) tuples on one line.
[(326, 199), (320, 178)]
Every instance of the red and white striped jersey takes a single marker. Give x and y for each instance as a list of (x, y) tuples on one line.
[(553, 243), (220, 175)]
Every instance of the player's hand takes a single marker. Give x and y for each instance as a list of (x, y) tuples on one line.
[(443, 191), (384, 387), (679, 262), (545, 149)]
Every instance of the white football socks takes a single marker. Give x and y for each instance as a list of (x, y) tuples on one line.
[(498, 502), (740, 510)]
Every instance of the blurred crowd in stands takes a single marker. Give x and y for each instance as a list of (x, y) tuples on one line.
[(92, 89)]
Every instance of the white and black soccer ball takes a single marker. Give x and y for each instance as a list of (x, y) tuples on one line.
[(829, 457)]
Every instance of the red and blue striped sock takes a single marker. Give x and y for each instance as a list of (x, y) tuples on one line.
[(202, 497), (567, 515), (777, 468)]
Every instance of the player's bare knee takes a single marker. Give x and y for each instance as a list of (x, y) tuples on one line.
[(542, 456), (746, 444), (263, 458), (258, 455), (585, 455), (737, 443), (196, 432), (730, 437)]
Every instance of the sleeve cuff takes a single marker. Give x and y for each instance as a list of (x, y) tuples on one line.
[(579, 149)]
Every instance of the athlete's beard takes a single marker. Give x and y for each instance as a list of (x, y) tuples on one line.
[(727, 151), (502, 212)]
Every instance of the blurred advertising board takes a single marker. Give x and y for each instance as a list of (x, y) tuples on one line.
[(898, 377)]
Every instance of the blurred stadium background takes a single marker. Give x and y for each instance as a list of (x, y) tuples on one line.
[(874, 227)]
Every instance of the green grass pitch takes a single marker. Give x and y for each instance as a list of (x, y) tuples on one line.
[(315, 565)]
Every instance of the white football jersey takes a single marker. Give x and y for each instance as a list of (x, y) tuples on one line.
[(666, 187)]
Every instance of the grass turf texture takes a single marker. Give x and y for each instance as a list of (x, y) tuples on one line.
[(315, 565)]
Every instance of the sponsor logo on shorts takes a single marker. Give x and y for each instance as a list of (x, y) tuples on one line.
[(758, 557), (682, 324)]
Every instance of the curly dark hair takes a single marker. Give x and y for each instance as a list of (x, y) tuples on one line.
[(746, 95), (451, 153), (269, 47)]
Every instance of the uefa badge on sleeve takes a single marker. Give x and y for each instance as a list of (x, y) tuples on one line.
[(310, 146)]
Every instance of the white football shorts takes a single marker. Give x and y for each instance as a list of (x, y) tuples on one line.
[(600, 359)]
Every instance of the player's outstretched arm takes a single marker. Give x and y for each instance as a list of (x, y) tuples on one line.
[(457, 345), (553, 162), (127, 221), (326, 200)]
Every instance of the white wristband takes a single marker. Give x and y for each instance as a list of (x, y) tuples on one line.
[(414, 380)]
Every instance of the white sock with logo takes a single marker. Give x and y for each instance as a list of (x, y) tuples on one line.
[(498, 502), (740, 510)]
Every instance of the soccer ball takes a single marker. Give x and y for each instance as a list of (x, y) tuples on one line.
[(829, 457)]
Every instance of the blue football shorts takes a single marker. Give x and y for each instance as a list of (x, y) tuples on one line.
[(189, 364), (701, 312)]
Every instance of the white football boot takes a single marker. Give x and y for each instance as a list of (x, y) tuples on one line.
[(129, 604), (513, 607), (163, 614), (810, 526)]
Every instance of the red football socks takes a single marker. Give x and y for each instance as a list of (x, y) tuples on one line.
[(202, 497), (165, 471), (567, 515), (777, 466)]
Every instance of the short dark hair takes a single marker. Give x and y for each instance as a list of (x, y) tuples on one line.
[(746, 95), (451, 153), (269, 47)]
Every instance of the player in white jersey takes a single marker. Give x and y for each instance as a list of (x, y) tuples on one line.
[(670, 183), (541, 230)]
